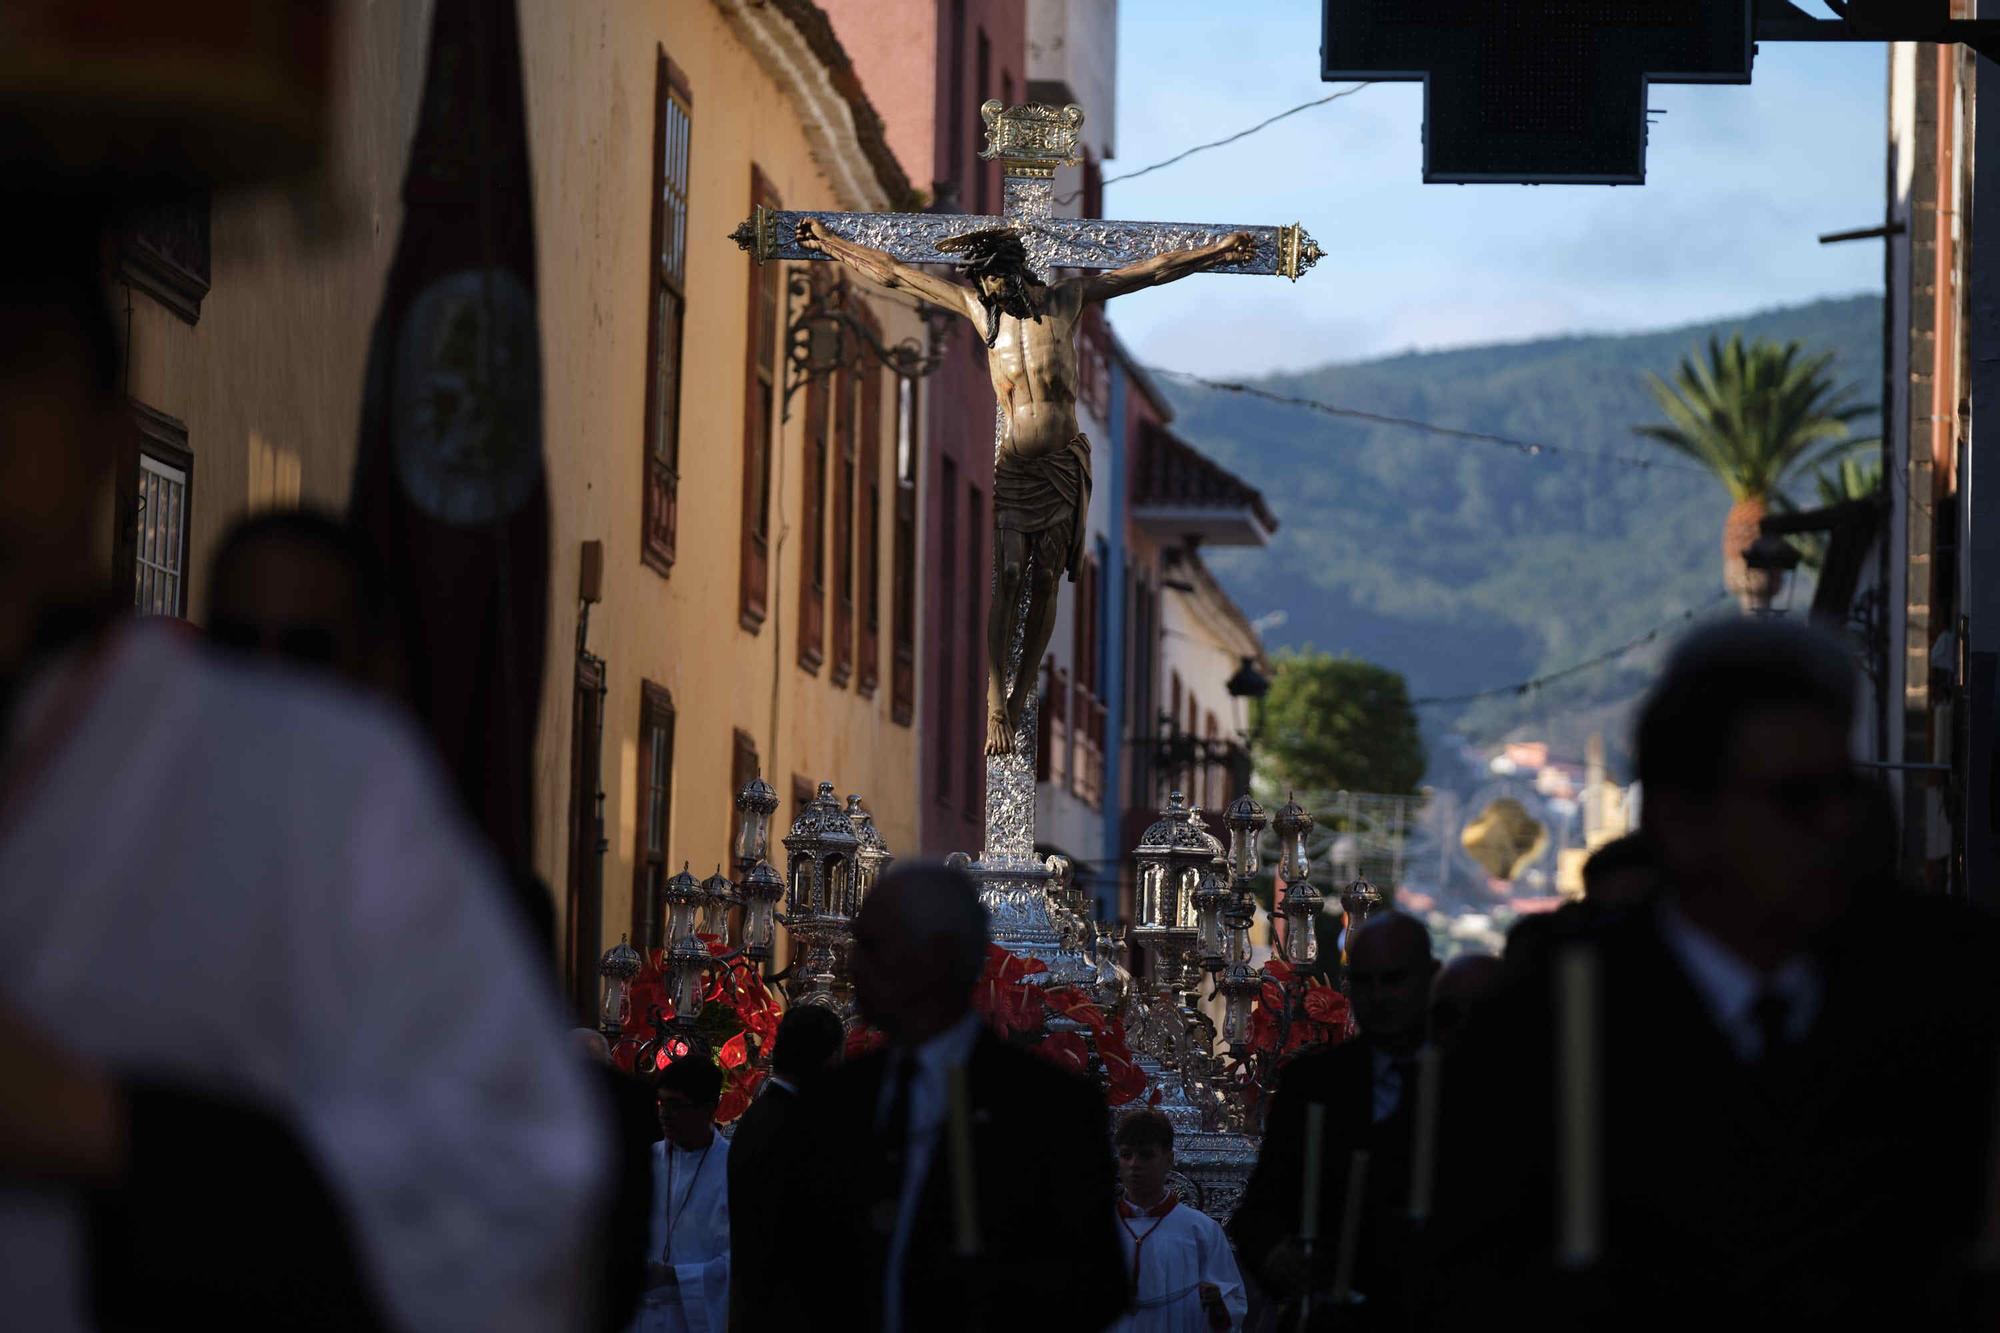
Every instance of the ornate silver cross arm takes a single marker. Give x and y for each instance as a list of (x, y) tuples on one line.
[(1052, 243)]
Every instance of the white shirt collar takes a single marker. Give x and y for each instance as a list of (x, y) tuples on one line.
[(1730, 988), (953, 1046)]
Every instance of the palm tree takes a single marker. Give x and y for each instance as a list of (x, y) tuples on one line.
[(1754, 415)]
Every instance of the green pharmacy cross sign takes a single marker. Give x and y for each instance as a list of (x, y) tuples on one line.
[(1536, 91)]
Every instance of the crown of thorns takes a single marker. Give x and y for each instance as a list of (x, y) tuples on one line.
[(990, 250)]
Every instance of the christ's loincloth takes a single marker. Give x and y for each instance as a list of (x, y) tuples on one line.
[(1046, 498)]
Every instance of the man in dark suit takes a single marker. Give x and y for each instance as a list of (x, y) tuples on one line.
[(764, 1153), (1368, 1086), (903, 1239), (1795, 1061)]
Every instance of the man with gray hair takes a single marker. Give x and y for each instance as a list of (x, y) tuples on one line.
[(908, 1234)]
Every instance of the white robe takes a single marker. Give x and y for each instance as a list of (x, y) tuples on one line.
[(253, 885), (1188, 1250), (690, 1203)]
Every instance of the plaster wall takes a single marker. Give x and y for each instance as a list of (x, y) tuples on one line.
[(269, 383)]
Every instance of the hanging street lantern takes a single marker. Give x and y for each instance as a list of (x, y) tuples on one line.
[(615, 971), (755, 805)]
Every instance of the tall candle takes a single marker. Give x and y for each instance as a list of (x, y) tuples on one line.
[(1423, 1154), (964, 1197), (1579, 1237), (1350, 1227), (1309, 1187)]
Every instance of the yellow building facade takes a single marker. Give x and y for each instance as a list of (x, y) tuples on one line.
[(714, 101)]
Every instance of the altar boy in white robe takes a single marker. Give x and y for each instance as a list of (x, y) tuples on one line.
[(1183, 1274), (687, 1266)]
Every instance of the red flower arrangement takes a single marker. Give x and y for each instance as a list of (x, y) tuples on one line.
[(1019, 1010), (1292, 1012), (738, 1022)]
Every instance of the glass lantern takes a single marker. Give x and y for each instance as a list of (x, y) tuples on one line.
[(1359, 901), (1292, 825), (688, 960), (1173, 854), (1300, 909), (821, 847), (872, 859), (755, 805), (615, 971), (760, 892), (1240, 987), (683, 898), (718, 895), (1246, 824), (1210, 946)]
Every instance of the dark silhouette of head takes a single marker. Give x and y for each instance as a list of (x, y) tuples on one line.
[(1749, 793), (809, 1043), (1622, 873), (919, 947), (687, 1092), (301, 586), (1389, 972), (997, 263), (1462, 985)]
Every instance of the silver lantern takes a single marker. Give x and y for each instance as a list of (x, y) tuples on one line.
[(682, 895), (615, 970), (755, 805), (871, 858), (821, 851), (1173, 854), (1210, 900), (1292, 825), (1246, 821), (760, 891), (718, 895)]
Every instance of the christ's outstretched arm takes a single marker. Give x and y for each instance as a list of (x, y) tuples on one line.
[(880, 268), (1238, 247)]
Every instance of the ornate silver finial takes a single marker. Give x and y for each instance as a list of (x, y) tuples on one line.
[(1032, 140), (1297, 251)]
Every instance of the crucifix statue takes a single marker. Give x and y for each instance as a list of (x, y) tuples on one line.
[(1027, 314)]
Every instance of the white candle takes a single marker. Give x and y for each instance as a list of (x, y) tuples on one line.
[(1350, 1227), (1579, 1186), (1309, 1187), (1423, 1156)]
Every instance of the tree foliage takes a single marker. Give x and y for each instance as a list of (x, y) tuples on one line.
[(1340, 724), (1754, 413)]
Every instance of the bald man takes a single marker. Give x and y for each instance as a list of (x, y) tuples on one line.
[(1368, 1086), (880, 1186)]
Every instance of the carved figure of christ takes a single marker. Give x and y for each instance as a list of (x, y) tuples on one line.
[(1042, 466)]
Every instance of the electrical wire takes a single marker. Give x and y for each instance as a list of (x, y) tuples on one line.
[(1186, 153), (1527, 448), (1576, 669)]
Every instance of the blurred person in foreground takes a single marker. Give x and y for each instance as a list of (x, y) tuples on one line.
[(1369, 1087), (240, 920), (1618, 877), (1794, 1061), (1182, 1271), (687, 1268), (764, 1152), (887, 1206), (300, 587), (1462, 988)]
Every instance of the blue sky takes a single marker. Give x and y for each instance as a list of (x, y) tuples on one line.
[(1740, 182)]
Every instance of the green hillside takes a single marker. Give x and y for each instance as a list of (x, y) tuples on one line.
[(1467, 565)]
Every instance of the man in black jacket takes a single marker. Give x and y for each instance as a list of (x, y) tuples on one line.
[(1369, 1088), (1795, 1061), (764, 1153), (906, 1236)]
